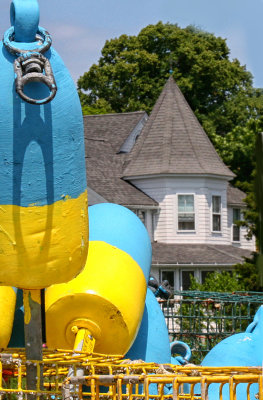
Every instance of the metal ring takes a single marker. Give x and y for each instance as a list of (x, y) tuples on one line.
[(52, 88), (181, 348), (8, 42), (46, 77)]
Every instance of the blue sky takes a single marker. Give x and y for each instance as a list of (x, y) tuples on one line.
[(80, 27)]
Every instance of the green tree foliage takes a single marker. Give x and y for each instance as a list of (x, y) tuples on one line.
[(244, 278), (132, 71), (237, 149), (219, 282), (248, 274)]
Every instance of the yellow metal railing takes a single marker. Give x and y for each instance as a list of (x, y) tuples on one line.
[(113, 378)]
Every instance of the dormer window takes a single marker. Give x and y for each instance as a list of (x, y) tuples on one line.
[(216, 213), (186, 212)]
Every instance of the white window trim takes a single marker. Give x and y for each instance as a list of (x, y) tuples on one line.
[(232, 226), (212, 213), (177, 214)]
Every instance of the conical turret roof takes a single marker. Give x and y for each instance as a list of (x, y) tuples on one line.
[(173, 141)]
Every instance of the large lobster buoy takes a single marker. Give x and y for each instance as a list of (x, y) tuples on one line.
[(152, 341), (107, 298), (43, 196), (240, 350)]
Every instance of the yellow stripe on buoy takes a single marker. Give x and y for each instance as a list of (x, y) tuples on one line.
[(43, 245), (107, 298)]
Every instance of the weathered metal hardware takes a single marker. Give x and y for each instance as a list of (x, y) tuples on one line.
[(42, 43), (31, 65), (34, 67)]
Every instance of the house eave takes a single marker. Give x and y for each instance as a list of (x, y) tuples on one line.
[(158, 265), (168, 175), (243, 205), (142, 207)]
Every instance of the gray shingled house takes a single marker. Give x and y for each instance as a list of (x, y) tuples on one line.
[(165, 169)]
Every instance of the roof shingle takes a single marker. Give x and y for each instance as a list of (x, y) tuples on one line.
[(197, 254), (104, 135), (173, 141)]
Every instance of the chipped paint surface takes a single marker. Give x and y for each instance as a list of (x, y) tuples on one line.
[(29, 298), (27, 310), (246, 338)]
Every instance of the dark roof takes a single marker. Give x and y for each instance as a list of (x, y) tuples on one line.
[(235, 197), (104, 135), (173, 141), (111, 128), (103, 176), (197, 254)]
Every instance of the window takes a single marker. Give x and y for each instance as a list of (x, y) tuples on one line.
[(141, 214), (186, 279), (216, 213), (236, 228), (168, 276), (186, 212)]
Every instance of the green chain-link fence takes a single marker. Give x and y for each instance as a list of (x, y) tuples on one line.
[(202, 319)]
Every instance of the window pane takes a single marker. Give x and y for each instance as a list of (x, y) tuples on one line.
[(186, 216), (236, 233), (168, 276), (186, 203), (186, 279), (186, 222), (186, 226), (141, 215), (216, 223), (216, 201), (236, 214)]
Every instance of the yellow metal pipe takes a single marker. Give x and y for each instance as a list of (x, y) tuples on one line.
[(84, 341)]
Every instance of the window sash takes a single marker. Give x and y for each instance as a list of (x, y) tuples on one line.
[(216, 214), (186, 279), (216, 223), (236, 233), (186, 203), (236, 215), (186, 212), (236, 228)]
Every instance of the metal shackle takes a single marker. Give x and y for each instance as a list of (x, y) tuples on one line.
[(27, 41), (34, 68), (41, 44)]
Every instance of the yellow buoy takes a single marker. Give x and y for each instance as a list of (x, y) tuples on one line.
[(107, 298)]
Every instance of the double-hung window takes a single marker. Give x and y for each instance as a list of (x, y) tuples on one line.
[(236, 228), (216, 213), (186, 212)]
